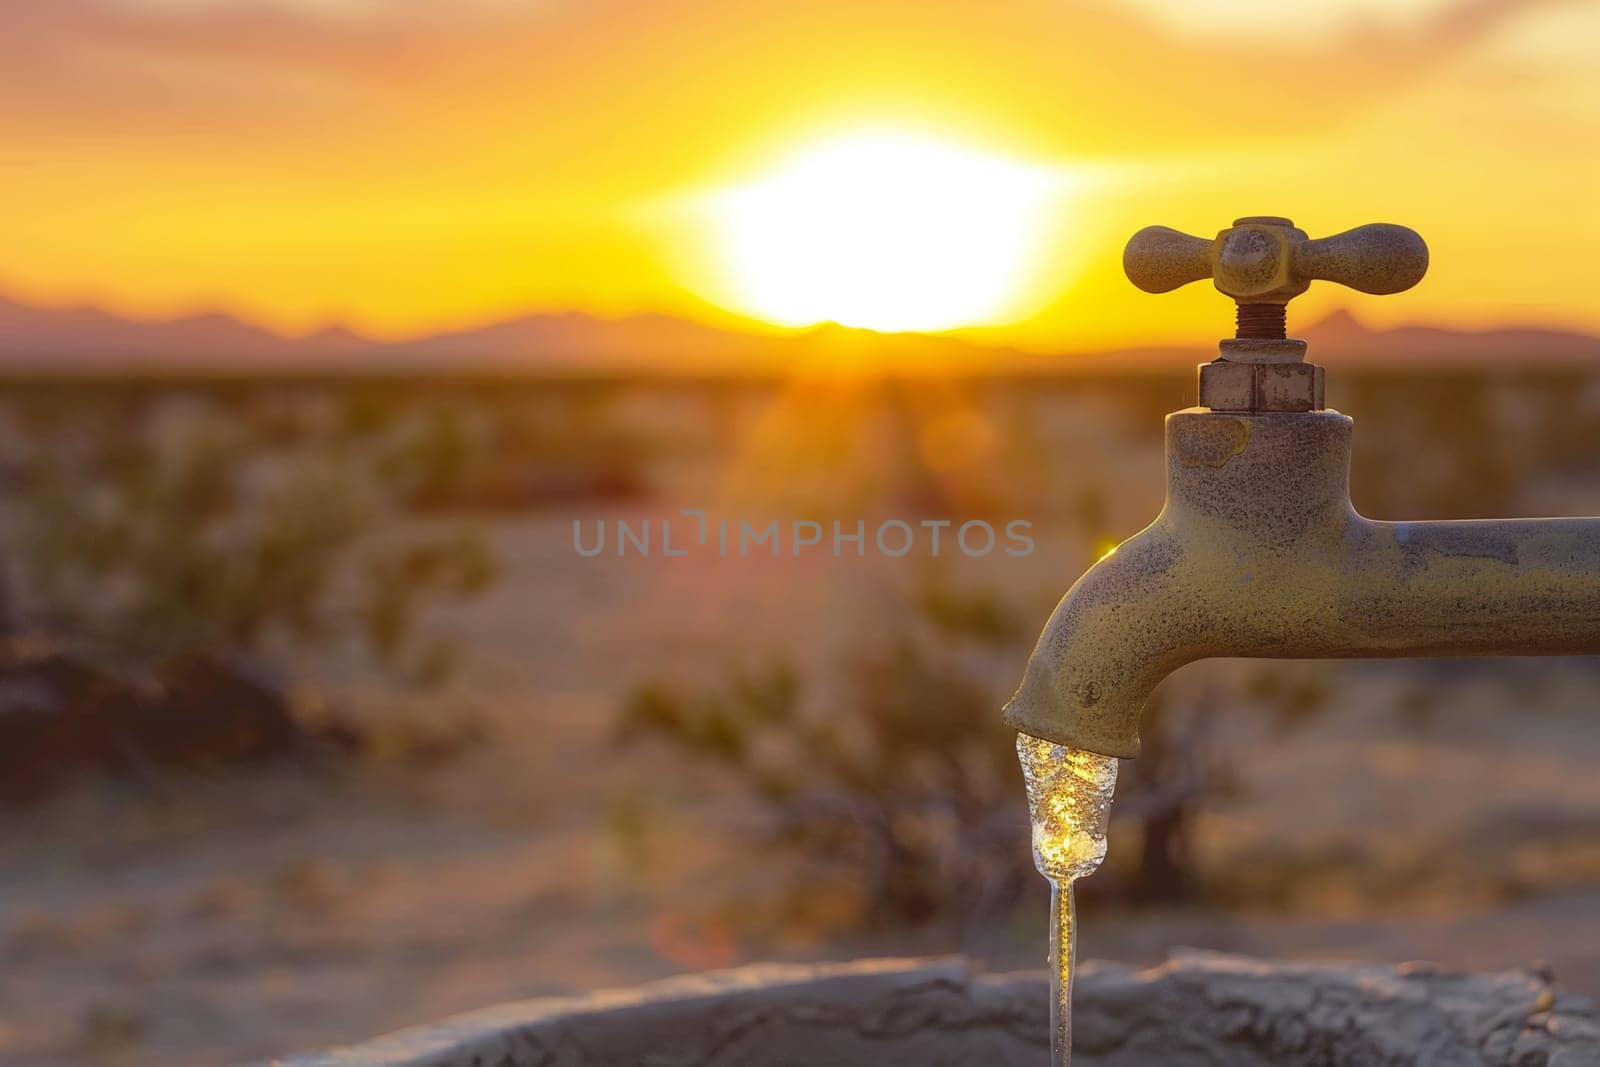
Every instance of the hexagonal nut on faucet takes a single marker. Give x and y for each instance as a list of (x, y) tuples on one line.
[(1253, 260), (1245, 387), (1289, 387)]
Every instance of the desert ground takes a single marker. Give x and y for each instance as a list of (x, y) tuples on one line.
[(1444, 810)]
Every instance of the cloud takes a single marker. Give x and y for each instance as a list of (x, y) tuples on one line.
[(1107, 78)]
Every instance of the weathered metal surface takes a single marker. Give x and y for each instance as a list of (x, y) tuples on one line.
[(1378, 258), (1264, 259), (1288, 387), (1261, 321), (1159, 259), (1259, 553), (1253, 261), (1261, 350), (1226, 385)]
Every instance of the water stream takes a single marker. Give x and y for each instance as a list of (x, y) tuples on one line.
[(1069, 800)]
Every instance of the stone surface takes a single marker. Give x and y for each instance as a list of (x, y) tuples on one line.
[(1197, 1009)]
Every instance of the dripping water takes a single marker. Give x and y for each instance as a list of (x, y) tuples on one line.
[(1069, 800)]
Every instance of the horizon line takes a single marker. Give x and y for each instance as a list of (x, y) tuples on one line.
[(722, 322)]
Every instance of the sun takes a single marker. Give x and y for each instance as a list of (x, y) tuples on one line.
[(886, 230)]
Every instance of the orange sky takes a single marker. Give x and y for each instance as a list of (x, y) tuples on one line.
[(408, 164)]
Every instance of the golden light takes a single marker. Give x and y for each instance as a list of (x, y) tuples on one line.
[(887, 230)]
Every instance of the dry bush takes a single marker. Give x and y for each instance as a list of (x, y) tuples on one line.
[(166, 566), (903, 804)]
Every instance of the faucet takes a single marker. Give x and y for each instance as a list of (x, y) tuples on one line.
[(1258, 552)]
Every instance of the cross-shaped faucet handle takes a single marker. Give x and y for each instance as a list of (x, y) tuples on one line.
[(1264, 261)]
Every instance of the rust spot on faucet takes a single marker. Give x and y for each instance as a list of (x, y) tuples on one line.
[(1214, 443)]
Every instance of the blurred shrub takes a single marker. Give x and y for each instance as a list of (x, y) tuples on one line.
[(1473, 444), (1185, 765), (905, 797), (512, 454), (63, 715), (161, 571), (905, 800), (908, 803), (211, 546)]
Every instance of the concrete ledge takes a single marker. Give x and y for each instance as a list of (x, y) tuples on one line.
[(1196, 1009)]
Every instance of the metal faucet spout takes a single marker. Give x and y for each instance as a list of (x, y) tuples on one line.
[(1259, 553)]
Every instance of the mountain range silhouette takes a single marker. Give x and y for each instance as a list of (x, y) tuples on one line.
[(89, 338)]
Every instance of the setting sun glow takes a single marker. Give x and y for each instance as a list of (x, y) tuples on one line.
[(407, 168), (884, 230)]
